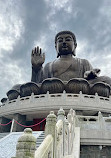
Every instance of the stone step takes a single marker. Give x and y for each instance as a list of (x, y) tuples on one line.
[(40, 139), (9, 142)]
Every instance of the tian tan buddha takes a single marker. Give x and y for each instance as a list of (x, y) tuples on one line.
[(66, 66), (67, 72)]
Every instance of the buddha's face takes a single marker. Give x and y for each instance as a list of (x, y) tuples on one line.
[(65, 44)]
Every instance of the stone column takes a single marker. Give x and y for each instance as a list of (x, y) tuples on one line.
[(61, 116), (26, 145), (21, 119), (101, 121), (3, 129), (50, 128), (72, 120), (66, 137)]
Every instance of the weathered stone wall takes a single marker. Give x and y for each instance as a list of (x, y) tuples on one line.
[(22, 120), (4, 120), (94, 151)]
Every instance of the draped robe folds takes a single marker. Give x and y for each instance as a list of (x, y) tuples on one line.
[(64, 69)]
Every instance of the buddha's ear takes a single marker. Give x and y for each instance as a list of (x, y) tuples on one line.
[(56, 51), (74, 51), (58, 55)]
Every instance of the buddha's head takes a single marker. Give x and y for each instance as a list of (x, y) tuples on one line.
[(65, 43)]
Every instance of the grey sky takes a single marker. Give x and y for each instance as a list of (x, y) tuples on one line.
[(25, 24)]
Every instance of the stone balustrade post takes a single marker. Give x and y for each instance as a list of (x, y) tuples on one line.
[(7, 102), (81, 97), (66, 136), (18, 100), (97, 99), (64, 95), (32, 98), (61, 116), (72, 120), (50, 128), (47, 95), (26, 145), (101, 120), (69, 118), (72, 117)]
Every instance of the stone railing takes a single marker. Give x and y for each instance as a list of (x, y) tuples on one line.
[(33, 97), (63, 134), (46, 148), (59, 142), (93, 122), (92, 103), (95, 130)]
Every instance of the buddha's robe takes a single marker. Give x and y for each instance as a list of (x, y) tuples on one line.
[(62, 68)]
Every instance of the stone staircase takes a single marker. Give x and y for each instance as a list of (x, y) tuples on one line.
[(8, 142), (40, 139)]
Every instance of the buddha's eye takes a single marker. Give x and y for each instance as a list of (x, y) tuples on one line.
[(68, 39), (60, 40)]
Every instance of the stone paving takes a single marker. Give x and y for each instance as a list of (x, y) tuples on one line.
[(8, 144)]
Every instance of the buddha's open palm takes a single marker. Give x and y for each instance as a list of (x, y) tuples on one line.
[(37, 57)]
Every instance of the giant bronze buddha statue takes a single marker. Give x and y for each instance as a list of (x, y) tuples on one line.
[(65, 71), (66, 66)]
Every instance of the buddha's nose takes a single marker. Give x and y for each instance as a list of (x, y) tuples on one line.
[(64, 43)]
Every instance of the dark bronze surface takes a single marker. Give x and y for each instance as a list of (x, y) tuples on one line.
[(66, 69)]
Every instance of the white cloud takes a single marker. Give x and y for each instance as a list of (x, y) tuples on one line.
[(53, 26), (11, 25), (103, 21), (99, 59), (58, 4), (41, 42), (10, 75), (81, 47), (12, 72), (105, 10), (11, 29)]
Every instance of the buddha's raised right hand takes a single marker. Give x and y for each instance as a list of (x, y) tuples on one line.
[(37, 57)]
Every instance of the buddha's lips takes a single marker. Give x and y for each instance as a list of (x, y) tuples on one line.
[(64, 47)]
